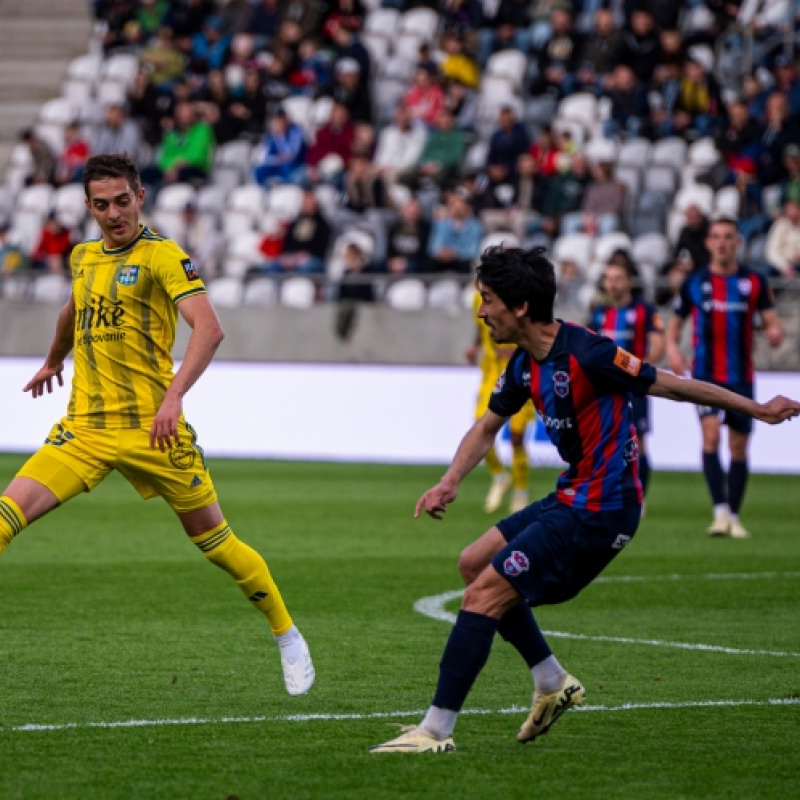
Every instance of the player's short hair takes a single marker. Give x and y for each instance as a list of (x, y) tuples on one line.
[(722, 220), (112, 165), (519, 276)]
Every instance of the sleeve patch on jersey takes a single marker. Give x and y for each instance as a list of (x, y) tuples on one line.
[(627, 362), (191, 271)]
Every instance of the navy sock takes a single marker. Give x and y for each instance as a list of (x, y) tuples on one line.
[(737, 481), (712, 469), (464, 657), (644, 471), (519, 628)]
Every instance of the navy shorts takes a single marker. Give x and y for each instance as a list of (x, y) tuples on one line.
[(741, 423), (554, 551), (640, 411)]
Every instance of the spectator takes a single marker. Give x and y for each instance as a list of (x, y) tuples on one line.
[(441, 156), (116, 134), (425, 98), (187, 20), (262, 21), (565, 192), (69, 167), (779, 133), (455, 237), (556, 62), (217, 109), (119, 15), (693, 235), (569, 282), (283, 152), (312, 71), (150, 15), (306, 243), (642, 45), (349, 13), (671, 277), (210, 47), (457, 65), (350, 90), (354, 287), (148, 107), (630, 109), (364, 189), (50, 253), (334, 138), (348, 45), (699, 103), (506, 145), (544, 151), (600, 52), (200, 240), (507, 29), (783, 241), (407, 241), (787, 82), (399, 144), (462, 103), (602, 207), (739, 142), (663, 98), (163, 59), (790, 185), (12, 257), (43, 162)]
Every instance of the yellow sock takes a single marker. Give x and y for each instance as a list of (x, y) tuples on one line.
[(493, 463), (249, 570), (519, 467), (12, 521)]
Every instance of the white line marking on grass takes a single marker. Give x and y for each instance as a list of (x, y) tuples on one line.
[(712, 576), (153, 723), (434, 607)]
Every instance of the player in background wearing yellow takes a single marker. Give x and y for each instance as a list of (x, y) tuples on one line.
[(125, 409), (493, 358)]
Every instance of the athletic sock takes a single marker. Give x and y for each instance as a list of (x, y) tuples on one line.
[(712, 469), (644, 470), (12, 521), (291, 644), (722, 510), (249, 570), (464, 657), (519, 467), (440, 722), (548, 675), (518, 627), (493, 463), (737, 482)]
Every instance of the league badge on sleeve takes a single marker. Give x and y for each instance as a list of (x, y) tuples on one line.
[(627, 362), (190, 269)]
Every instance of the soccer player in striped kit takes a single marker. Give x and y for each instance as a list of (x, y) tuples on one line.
[(725, 300), (636, 326)]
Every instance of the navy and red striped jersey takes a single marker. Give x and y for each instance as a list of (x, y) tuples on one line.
[(627, 326), (723, 309), (582, 393)]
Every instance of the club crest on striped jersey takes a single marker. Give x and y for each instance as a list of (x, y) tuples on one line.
[(745, 286), (561, 383), (128, 274), (630, 316), (516, 564)]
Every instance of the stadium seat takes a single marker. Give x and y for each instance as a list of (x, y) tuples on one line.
[(382, 22), (298, 109), (285, 201), (226, 178), (167, 223), (269, 223), (631, 177), (510, 64), (211, 199), (15, 287), (771, 199), (420, 21), (249, 199), (701, 196), (575, 129), (445, 294), (321, 111), (703, 55), (580, 107), (91, 230), (246, 245), (497, 87), (37, 198), (604, 246), (76, 92), (363, 239), (726, 202), (236, 155), (59, 111), (85, 68), (378, 49), (225, 292), (297, 292), (475, 159), (575, 247), (111, 92), (236, 222), (634, 153), (406, 47), (400, 195), (260, 292), (651, 248), (52, 133), (660, 178), (703, 153), (174, 197), (50, 288), (670, 151), (328, 199), (407, 294), (601, 150), (120, 67)]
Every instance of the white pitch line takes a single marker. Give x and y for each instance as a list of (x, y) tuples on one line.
[(154, 723)]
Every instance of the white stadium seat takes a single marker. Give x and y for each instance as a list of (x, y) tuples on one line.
[(511, 64), (225, 292), (248, 199), (260, 291), (604, 246), (174, 197), (407, 294), (445, 294), (298, 292), (420, 21), (50, 288), (37, 198), (121, 67), (575, 247), (285, 200), (382, 22), (60, 110)]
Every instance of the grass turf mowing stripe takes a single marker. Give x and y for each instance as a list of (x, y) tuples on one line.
[(146, 723)]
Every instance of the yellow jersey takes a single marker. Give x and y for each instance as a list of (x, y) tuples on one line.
[(125, 322)]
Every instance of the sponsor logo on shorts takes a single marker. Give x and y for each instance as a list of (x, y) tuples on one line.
[(561, 383), (516, 564), (128, 274), (182, 456), (59, 436), (191, 271), (620, 542)]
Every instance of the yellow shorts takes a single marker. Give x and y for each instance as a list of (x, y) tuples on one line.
[(519, 421), (179, 475)]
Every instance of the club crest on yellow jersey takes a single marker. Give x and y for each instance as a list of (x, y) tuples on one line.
[(128, 274)]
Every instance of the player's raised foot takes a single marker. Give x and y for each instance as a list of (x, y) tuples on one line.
[(500, 485), (738, 531), (519, 500), (547, 708), (721, 526), (298, 669), (415, 739)]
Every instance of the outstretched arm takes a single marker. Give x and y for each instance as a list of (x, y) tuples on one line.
[(60, 348), (206, 336), (677, 363), (689, 390), (474, 446)]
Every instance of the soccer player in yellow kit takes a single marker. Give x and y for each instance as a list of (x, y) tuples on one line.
[(493, 360), (125, 409)]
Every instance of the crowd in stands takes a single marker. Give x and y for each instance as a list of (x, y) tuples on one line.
[(268, 132)]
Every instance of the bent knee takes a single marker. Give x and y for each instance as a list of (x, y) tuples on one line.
[(470, 564)]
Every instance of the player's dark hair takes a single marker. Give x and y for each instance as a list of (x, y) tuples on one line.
[(112, 165), (519, 276), (723, 221)]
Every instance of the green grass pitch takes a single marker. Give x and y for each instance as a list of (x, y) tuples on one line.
[(108, 614)]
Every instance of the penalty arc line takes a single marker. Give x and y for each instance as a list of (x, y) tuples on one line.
[(154, 723)]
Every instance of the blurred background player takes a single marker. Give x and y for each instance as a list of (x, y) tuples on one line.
[(724, 300), (493, 358), (634, 325)]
